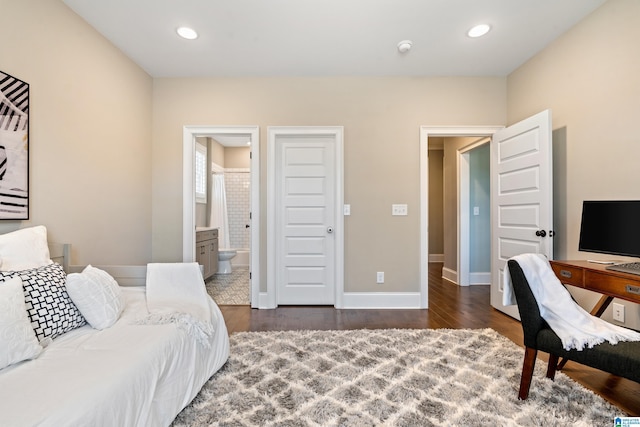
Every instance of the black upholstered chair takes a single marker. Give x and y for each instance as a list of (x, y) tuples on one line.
[(622, 359)]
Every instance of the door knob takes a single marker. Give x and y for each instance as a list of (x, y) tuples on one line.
[(329, 229), (541, 233)]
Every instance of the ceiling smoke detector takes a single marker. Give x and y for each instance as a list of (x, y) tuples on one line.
[(404, 46)]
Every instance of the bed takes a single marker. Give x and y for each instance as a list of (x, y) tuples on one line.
[(130, 373)]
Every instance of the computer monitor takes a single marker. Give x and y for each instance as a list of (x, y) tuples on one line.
[(611, 227)]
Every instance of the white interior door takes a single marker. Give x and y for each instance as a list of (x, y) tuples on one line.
[(522, 199), (305, 219)]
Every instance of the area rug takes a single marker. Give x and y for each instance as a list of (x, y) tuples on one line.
[(391, 377)]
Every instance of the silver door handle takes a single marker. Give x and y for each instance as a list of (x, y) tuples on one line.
[(329, 229)]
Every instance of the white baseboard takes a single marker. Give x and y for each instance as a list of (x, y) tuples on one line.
[(381, 300), (480, 278), (365, 300), (450, 275), (264, 302), (436, 257)]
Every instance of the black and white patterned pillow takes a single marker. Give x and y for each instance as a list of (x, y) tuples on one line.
[(50, 309)]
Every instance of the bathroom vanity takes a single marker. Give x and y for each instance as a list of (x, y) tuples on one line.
[(207, 250)]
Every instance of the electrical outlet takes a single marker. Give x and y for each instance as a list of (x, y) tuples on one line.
[(618, 312), (380, 277)]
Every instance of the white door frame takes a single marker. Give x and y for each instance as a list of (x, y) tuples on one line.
[(189, 135), (269, 299), (425, 133)]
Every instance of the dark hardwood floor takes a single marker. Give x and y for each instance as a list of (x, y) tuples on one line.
[(450, 306)]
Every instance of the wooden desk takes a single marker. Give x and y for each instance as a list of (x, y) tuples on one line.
[(595, 277)]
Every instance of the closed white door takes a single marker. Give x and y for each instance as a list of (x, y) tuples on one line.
[(522, 197), (305, 219)]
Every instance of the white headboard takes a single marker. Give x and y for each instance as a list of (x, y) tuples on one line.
[(125, 275)]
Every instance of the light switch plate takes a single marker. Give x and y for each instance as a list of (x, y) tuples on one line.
[(399, 210), (346, 210)]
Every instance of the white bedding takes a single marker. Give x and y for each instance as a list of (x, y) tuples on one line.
[(126, 375)]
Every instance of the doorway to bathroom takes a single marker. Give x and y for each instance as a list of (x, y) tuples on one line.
[(231, 206)]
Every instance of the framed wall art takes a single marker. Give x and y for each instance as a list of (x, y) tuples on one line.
[(14, 148)]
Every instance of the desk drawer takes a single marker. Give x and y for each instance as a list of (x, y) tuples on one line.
[(569, 275), (612, 285)]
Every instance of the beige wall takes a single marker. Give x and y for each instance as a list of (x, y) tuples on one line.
[(436, 208), (90, 133), (381, 119), (237, 157), (590, 79), (217, 153)]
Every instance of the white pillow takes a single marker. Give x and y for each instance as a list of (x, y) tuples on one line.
[(18, 341), (24, 249), (97, 295), (49, 306)]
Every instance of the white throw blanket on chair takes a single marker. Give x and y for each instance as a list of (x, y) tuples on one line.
[(176, 293), (575, 326)]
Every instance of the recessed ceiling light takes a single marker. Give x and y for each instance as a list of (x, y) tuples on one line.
[(479, 30), (187, 33)]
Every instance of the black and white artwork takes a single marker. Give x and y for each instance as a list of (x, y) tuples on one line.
[(14, 148)]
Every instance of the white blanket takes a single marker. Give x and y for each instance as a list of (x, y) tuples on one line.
[(176, 293), (575, 327)]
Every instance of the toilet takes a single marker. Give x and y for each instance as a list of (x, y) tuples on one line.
[(224, 260)]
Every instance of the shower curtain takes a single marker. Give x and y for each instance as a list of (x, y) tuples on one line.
[(219, 218)]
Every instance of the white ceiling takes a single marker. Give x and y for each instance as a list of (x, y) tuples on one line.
[(330, 37)]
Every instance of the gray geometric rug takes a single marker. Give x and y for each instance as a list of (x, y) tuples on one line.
[(392, 377)]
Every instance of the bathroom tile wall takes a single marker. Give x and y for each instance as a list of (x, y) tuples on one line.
[(237, 181)]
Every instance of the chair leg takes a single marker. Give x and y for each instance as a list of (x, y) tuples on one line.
[(562, 363), (527, 372), (552, 366)]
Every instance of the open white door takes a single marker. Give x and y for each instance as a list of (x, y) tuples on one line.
[(521, 197)]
